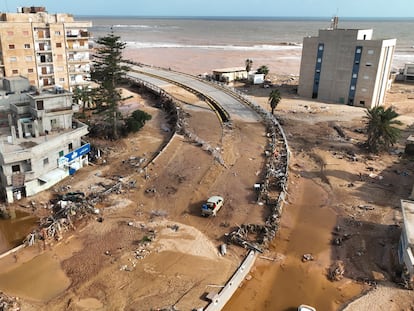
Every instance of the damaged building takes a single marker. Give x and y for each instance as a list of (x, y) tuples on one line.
[(40, 141)]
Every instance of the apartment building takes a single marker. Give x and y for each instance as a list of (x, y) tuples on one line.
[(346, 66), (40, 142), (48, 49)]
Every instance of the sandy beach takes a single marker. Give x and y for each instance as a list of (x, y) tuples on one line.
[(285, 61)]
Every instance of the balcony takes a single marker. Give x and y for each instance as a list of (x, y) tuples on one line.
[(77, 35)]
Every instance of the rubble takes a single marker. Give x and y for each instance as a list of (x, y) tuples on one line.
[(307, 257), (336, 271), (9, 303), (273, 188), (67, 208)]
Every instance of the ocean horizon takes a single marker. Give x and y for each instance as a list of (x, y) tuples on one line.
[(236, 33), (252, 18)]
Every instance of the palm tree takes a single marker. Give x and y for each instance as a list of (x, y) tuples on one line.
[(380, 128), (263, 69), (274, 99), (249, 64)]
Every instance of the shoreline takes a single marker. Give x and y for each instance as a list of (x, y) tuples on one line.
[(198, 60)]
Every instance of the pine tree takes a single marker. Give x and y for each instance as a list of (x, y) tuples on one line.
[(107, 72)]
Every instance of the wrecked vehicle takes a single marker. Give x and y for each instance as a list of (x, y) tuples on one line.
[(212, 206)]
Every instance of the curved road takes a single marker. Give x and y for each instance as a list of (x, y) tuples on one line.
[(233, 106)]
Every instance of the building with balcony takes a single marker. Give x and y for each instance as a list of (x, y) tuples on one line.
[(346, 66), (48, 49), (40, 142)]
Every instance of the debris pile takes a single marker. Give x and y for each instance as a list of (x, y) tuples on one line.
[(336, 271), (273, 189), (70, 207), (135, 162), (9, 303)]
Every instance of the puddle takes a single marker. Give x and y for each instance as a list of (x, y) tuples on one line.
[(13, 231), (39, 279), (282, 286)]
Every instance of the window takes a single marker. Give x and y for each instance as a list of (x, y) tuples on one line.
[(15, 71), (319, 60), (15, 168), (70, 147), (57, 33), (39, 104), (371, 52), (10, 33), (58, 44), (366, 77), (362, 102), (355, 76), (368, 64), (60, 69), (61, 79), (60, 57), (13, 59), (352, 87), (358, 51), (11, 47), (30, 70), (45, 161), (25, 32), (27, 46), (28, 58), (61, 153), (321, 47)]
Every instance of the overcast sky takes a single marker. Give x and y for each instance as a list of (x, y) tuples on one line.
[(276, 8)]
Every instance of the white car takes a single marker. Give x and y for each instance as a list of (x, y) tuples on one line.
[(306, 308), (212, 206)]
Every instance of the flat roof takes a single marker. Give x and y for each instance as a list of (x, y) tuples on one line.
[(408, 215), (230, 69)]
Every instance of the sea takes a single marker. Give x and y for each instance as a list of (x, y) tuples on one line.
[(243, 33)]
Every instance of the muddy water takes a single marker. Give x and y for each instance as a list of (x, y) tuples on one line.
[(38, 279), (13, 231), (286, 283)]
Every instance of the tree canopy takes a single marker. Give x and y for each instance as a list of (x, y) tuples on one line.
[(274, 99), (380, 128), (249, 64), (263, 69), (108, 72)]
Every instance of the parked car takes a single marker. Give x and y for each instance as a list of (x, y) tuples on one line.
[(212, 206), (306, 308)]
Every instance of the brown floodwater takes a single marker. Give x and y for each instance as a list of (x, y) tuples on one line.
[(39, 279), (287, 282), (14, 230)]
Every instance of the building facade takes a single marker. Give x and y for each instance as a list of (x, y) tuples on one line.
[(40, 142), (406, 244), (230, 74), (346, 66), (48, 49)]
